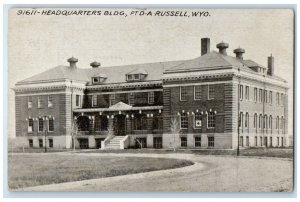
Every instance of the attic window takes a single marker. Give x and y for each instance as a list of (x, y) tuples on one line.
[(97, 80), (135, 77)]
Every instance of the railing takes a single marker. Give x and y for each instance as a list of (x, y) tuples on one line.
[(124, 143)]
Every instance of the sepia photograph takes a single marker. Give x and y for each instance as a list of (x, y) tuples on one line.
[(150, 100)]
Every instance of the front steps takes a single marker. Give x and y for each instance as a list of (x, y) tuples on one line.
[(114, 143)]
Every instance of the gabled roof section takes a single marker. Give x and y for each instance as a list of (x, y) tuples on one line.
[(57, 73), (209, 61), (138, 71), (120, 106)]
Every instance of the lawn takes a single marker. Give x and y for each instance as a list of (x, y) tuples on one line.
[(25, 170), (258, 152)]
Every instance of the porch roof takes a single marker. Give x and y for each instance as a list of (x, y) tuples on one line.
[(121, 109)]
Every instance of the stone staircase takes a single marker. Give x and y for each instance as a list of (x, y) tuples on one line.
[(114, 143)]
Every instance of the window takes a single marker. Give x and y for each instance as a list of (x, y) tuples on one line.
[(255, 94), (277, 122), (51, 125), (151, 97), (96, 80), (211, 92), (183, 93), (183, 141), (241, 121), (281, 141), (247, 93), (270, 121), (265, 96), (197, 141), (50, 101), (211, 141), (277, 99), (78, 99), (112, 99), (247, 120), (241, 141), (278, 144), (40, 102), (265, 121), (40, 143), (197, 120), (281, 123), (211, 120), (29, 104), (260, 121), (270, 97), (241, 92), (50, 143), (197, 92), (94, 100), (271, 142), (30, 141), (157, 142), (261, 141), (136, 76), (255, 121), (183, 121), (129, 77), (247, 141), (131, 99), (41, 125), (255, 141), (260, 95), (30, 125), (282, 99)]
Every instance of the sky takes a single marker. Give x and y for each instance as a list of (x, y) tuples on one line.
[(37, 43)]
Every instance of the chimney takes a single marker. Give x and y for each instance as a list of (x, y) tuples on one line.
[(95, 64), (270, 70), (239, 53), (222, 47), (205, 46), (72, 62)]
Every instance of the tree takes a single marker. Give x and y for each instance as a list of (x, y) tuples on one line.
[(74, 131), (175, 129)]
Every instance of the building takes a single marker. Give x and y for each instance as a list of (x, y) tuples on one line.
[(211, 101)]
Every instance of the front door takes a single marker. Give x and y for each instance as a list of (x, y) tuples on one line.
[(119, 125)]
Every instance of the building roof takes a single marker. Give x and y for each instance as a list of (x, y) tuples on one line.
[(154, 71)]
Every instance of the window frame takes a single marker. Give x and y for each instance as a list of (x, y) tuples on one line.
[(211, 120), (41, 143), (29, 102), (40, 127), (197, 94), (210, 141), (151, 97), (94, 100), (211, 92), (30, 142), (40, 103), (183, 144), (52, 120), (77, 100), (255, 94), (270, 97), (183, 91), (247, 94), (197, 141), (30, 120), (241, 92), (184, 120), (197, 117), (50, 145)]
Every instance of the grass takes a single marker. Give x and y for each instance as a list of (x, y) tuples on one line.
[(39, 169), (260, 152)]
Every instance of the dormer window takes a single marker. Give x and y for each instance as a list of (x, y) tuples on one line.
[(136, 75), (98, 79)]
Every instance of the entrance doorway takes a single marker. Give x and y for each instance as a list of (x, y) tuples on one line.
[(119, 125)]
